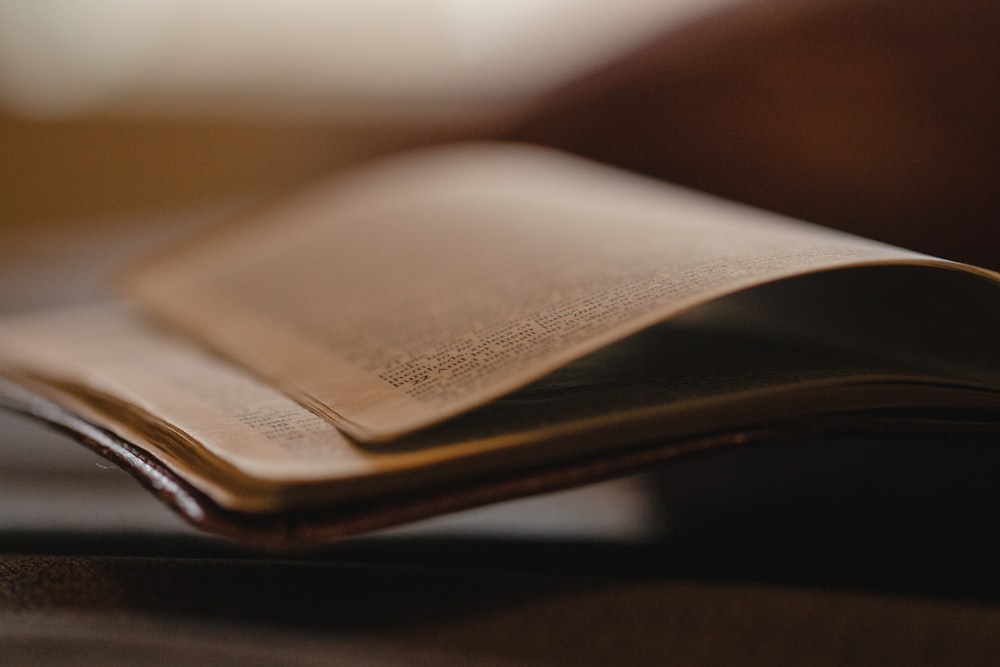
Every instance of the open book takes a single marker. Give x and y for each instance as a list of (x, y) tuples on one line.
[(470, 323)]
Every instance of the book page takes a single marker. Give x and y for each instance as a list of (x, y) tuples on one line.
[(251, 448), (425, 285), (111, 351), (244, 444)]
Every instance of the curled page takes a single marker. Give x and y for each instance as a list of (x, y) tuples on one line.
[(423, 286)]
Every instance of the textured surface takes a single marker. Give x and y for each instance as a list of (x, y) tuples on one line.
[(413, 602)]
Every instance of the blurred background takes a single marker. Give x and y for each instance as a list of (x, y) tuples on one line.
[(126, 123), (875, 116)]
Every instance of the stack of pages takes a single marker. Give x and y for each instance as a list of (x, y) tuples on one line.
[(468, 323)]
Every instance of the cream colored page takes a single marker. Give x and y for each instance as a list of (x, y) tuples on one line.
[(250, 426), (284, 454), (426, 285)]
